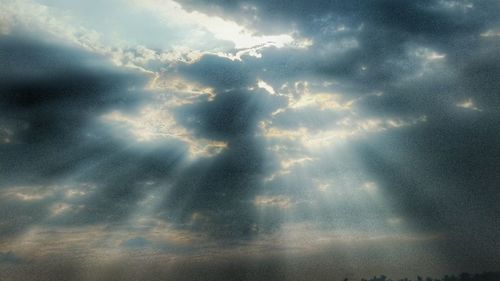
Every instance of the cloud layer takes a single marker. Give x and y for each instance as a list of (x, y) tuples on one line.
[(279, 130)]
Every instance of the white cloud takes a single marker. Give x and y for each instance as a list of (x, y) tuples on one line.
[(154, 123), (468, 104), (221, 29), (28, 193), (281, 202), (343, 129)]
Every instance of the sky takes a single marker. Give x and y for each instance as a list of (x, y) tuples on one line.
[(248, 140)]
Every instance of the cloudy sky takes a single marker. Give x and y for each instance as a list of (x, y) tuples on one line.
[(248, 140)]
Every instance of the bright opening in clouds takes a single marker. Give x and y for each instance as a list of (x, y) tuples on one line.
[(248, 140)]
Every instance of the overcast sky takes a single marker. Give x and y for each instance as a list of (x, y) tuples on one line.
[(248, 140)]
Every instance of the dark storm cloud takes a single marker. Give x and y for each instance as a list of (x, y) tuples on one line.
[(231, 114), (442, 174), (220, 73), (54, 93), (216, 194), (429, 17), (382, 30), (439, 175), (51, 99), (51, 111)]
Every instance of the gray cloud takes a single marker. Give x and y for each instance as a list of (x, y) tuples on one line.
[(388, 123), (440, 174), (10, 258), (54, 108)]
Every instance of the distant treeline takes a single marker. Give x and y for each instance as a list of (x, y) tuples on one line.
[(486, 276)]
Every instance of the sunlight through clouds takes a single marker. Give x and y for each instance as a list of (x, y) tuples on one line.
[(248, 140), (220, 28), (155, 124)]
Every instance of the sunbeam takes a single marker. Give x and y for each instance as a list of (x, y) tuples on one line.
[(249, 140)]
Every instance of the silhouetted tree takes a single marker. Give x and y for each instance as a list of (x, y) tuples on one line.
[(486, 276)]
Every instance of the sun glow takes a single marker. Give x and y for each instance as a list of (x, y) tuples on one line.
[(153, 124)]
